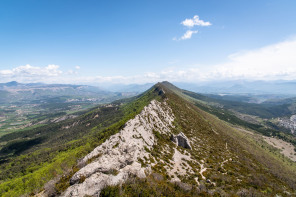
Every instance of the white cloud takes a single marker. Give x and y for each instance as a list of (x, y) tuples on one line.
[(195, 21), (190, 23), (277, 61), (5, 72), (77, 67), (30, 73), (188, 34), (28, 70)]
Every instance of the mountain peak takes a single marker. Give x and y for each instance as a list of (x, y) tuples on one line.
[(12, 83), (167, 86)]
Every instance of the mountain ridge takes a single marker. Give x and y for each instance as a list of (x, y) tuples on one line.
[(168, 92), (222, 160)]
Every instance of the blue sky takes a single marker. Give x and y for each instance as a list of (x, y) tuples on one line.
[(89, 42)]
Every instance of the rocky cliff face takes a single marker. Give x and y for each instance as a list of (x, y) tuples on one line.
[(120, 157)]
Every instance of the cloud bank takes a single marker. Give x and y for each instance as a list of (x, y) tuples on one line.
[(277, 61), (30, 73), (273, 62)]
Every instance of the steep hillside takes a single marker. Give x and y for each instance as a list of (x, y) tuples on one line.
[(158, 144), (32, 157), (271, 120)]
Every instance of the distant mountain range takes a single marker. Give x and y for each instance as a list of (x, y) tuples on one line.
[(242, 87), (14, 86), (218, 87), (212, 87), (16, 92)]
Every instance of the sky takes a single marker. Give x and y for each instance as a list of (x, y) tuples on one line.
[(95, 42)]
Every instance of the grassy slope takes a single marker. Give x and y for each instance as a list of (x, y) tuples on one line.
[(261, 110), (60, 148), (280, 168), (267, 128)]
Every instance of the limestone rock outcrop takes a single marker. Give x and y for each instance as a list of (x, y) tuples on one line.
[(181, 140)]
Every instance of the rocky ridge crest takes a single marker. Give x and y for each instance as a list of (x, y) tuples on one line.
[(114, 161)]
